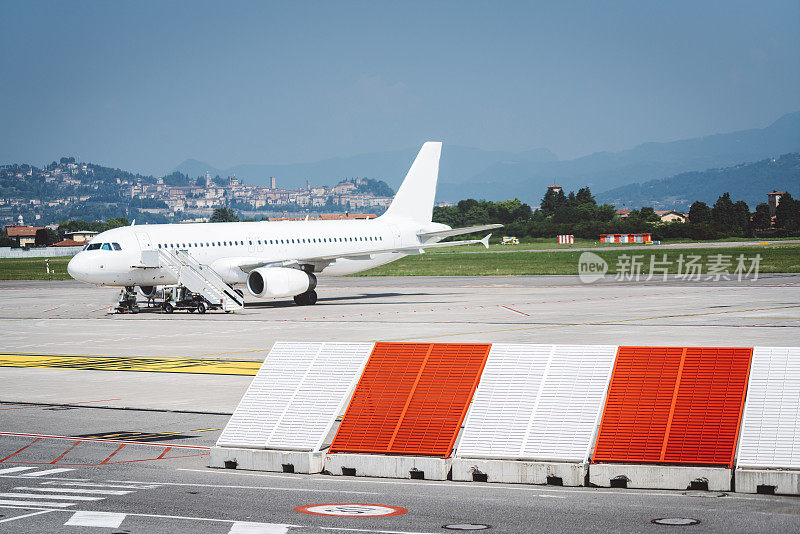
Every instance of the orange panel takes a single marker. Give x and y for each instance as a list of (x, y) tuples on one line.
[(673, 405), (411, 399), (708, 406), (638, 404)]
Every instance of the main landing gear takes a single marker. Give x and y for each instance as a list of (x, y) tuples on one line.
[(306, 299)]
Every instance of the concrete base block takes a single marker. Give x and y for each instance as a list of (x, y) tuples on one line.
[(266, 460), (660, 477), (519, 471), (373, 465), (778, 481)]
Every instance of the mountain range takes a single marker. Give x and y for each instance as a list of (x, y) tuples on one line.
[(749, 182), (497, 175)]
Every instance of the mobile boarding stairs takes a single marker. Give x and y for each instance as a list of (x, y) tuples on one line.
[(195, 277)]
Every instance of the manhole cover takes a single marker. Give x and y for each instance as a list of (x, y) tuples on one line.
[(466, 526), (676, 521), (351, 510)]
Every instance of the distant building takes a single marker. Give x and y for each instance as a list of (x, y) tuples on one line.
[(80, 237), (622, 214), (671, 216), (233, 181), (555, 188), (273, 183), (25, 236), (774, 199)]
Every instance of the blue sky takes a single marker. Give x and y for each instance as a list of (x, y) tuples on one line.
[(144, 85)]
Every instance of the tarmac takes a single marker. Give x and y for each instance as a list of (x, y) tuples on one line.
[(138, 381)]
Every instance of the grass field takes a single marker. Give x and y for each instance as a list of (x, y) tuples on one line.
[(775, 258), (550, 243), (33, 269)]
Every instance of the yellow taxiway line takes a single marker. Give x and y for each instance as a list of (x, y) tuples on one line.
[(125, 363)]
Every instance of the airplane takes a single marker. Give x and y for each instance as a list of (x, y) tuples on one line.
[(273, 259)]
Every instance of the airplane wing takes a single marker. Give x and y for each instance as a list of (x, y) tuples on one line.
[(456, 231), (322, 261)]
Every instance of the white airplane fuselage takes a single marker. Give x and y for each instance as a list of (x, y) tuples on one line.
[(225, 246)]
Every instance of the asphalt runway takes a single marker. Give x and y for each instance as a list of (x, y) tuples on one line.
[(151, 388), (149, 491)]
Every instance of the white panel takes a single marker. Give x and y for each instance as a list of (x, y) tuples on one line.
[(270, 391), (538, 402), (501, 408), (570, 402), (770, 435), (296, 395), (321, 396)]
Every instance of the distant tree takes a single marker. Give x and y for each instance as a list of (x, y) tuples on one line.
[(761, 219), (552, 201), (176, 179), (741, 213), (64, 161), (585, 196), (724, 213), (224, 215), (220, 181), (116, 222), (647, 213), (200, 182), (699, 213), (787, 214)]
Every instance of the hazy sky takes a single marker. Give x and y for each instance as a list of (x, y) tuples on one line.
[(144, 85)]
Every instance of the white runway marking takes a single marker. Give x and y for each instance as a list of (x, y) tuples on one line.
[(14, 470), (34, 503), (47, 472), (26, 515), (88, 485), (95, 519), (76, 490), (246, 527), (43, 496)]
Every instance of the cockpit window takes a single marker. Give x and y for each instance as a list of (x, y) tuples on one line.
[(106, 246), (93, 246), (116, 246)]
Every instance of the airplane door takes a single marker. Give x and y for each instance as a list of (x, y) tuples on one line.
[(144, 240), (396, 236)]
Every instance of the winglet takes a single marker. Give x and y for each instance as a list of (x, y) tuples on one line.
[(485, 241)]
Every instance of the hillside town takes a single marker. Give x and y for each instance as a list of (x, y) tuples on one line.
[(42, 193)]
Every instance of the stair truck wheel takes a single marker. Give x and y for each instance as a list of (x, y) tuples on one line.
[(168, 308), (201, 307)]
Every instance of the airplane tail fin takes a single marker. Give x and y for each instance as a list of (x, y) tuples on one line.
[(414, 199)]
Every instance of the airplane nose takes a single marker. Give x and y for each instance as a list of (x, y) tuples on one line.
[(78, 268)]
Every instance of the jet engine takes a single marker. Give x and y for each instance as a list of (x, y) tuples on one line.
[(272, 282), (148, 291)]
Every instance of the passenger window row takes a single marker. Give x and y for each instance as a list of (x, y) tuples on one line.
[(286, 241)]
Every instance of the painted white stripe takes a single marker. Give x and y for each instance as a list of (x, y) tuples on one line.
[(246, 527), (47, 472), (63, 497), (34, 503), (258, 487), (76, 490), (26, 515), (86, 485), (14, 470), (95, 519)]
